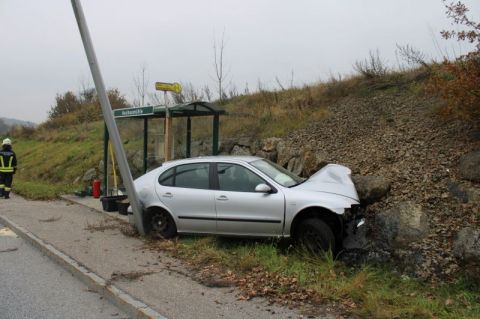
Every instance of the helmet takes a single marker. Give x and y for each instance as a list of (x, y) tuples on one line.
[(7, 141)]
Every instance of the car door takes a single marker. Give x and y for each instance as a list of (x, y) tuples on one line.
[(241, 210), (185, 190)]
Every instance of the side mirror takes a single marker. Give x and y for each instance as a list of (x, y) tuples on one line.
[(263, 188)]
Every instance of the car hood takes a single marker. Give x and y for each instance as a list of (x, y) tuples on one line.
[(333, 179)]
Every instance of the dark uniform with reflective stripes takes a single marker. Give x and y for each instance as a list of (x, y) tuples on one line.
[(8, 166)]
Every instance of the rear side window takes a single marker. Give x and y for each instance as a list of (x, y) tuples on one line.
[(187, 176), (167, 178)]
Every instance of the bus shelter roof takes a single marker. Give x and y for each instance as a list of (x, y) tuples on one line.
[(179, 110)]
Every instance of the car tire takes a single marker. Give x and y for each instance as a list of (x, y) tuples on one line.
[(314, 235), (161, 224)]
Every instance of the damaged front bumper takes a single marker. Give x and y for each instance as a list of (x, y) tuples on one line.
[(354, 218)]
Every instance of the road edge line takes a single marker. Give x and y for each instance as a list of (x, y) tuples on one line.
[(132, 306)]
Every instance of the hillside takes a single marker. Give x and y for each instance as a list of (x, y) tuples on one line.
[(13, 122), (7, 123), (385, 126)]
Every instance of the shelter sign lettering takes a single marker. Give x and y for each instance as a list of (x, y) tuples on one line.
[(133, 111)]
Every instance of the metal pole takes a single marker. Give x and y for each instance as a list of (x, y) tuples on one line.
[(216, 132), (145, 144), (189, 137), (105, 160), (108, 116)]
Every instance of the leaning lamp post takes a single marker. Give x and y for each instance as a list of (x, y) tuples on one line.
[(108, 116)]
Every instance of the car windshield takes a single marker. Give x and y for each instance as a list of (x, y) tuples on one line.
[(277, 173)]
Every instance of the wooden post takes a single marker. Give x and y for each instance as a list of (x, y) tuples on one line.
[(168, 130), (168, 137)]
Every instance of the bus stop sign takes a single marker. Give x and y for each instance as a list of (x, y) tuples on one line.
[(172, 87)]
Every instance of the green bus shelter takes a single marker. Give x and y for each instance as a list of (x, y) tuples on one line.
[(186, 110)]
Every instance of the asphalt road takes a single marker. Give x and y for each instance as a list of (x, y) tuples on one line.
[(34, 287)]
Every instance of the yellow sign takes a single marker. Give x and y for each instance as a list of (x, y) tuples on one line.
[(173, 87)]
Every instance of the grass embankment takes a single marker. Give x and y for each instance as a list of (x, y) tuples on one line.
[(288, 276), (50, 161)]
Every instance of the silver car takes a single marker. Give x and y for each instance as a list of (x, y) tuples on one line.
[(248, 196)]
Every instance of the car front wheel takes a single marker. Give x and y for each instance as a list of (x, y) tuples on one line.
[(162, 224), (315, 235)]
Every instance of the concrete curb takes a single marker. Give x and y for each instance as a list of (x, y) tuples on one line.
[(133, 307)]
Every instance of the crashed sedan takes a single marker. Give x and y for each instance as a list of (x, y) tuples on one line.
[(249, 196)]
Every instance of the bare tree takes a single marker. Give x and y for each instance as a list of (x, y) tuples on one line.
[(86, 92), (292, 79), (218, 64), (412, 56), (232, 91), (207, 93), (140, 83), (157, 98), (189, 94), (279, 83), (246, 90)]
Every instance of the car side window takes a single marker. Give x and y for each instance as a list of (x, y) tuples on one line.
[(236, 178), (187, 176), (167, 178)]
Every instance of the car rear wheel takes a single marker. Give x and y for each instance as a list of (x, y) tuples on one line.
[(162, 224), (314, 235)]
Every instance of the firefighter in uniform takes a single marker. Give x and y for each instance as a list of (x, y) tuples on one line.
[(8, 167)]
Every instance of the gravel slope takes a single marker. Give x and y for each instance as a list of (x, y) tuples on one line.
[(401, 137)]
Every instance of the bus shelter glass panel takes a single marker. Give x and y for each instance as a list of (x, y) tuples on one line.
[(131, 133), (179, 129), (155, 144), (201, 128)]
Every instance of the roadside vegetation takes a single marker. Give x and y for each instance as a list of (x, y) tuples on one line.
[(54, 157), (285, 275)]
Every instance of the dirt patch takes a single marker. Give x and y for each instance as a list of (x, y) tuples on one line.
[(102, 226), (128, 230), (50, 220), (110, 223), (128, 276), (8, 250)]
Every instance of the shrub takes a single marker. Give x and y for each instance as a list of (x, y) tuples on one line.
[(456, 82), (371, 67)]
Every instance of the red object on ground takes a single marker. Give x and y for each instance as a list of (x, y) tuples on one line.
[(96, 188)]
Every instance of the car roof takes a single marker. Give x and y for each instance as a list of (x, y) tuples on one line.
[(218, 158)]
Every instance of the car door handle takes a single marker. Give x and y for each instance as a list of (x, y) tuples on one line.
[(222, 197), (168, 195)]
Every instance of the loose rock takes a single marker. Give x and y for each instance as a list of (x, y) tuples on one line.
[(371, 188), (469, 167), (466, 249), (402, 225)]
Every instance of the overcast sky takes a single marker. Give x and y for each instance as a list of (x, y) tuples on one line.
[(42, 54)]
